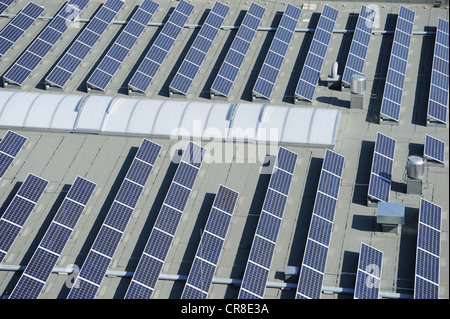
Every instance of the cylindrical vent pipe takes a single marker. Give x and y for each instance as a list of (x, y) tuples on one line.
[(358, 84), (415, 167)]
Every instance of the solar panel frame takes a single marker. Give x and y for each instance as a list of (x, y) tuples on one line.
[(261, 253), (4, 5), (159, 242), (192, 63), (152, 61), (265, 83), (18, 26), (360, 44), (60, 74), (434, 149), (213, 238), (310, 73), (437, 107), (108, 238), (36, 52), (312, 270), (18, 211), (396, 73), (368, 276), (381, 175), (105, 71), (226, 76), (53, 243), (10, 145), (427, 268)]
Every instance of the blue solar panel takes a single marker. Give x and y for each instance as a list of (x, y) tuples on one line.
[(36, 52), (72, 59), (428, 251), (18, 211), (381, 171), (369, 273), (161, 238), (312, 270), (233, 61), (395, 79), (434, 149), (111, 232), (52, 244), (261, 254), (438, 96), (4, 5), (109, 65), (268, 74), (10, 145), (360, 44), (310, 74), (18, 26), (160, 48), (197, 53)]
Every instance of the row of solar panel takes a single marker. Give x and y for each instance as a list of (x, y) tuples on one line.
[(253, 285)]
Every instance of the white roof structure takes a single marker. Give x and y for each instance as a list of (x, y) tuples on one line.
[(170, 119)]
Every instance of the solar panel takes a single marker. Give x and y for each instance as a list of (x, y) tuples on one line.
[(72, 59), (109, 65), (381, 171), (191, 64), (46, 40), (312, 270), (241, 44), (368, 276), (395, 78), (18, 26), (258, 265), (108, 238), (434, 149), (428, 251), (55, 239), (310, 74), (160, 48), (210, 246), (360, 44), (4, 4), (438, 96), (161, 237), (265, 83), (19, 210), (10, 146)]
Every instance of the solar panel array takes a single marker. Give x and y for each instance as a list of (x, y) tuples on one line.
[(72, 59), (257, 270), (428, 251), (208, 252), (55, 239), (310, 74), (434, 149), (197, 53), (4, 4), (160, 239), (316, 252), (265, 83), (241, 44), (18, 26), (360, 44), (368, 277), (381, 171), (396, 74), (109, 65), (108, 238), (438, 96), (10, 146), (46, 40), (160, 48), (19, 210)]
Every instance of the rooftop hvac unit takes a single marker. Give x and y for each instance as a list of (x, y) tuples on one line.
[(357, 91), (415, 170)]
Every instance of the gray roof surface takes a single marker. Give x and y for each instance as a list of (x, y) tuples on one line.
[(104, 159)]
